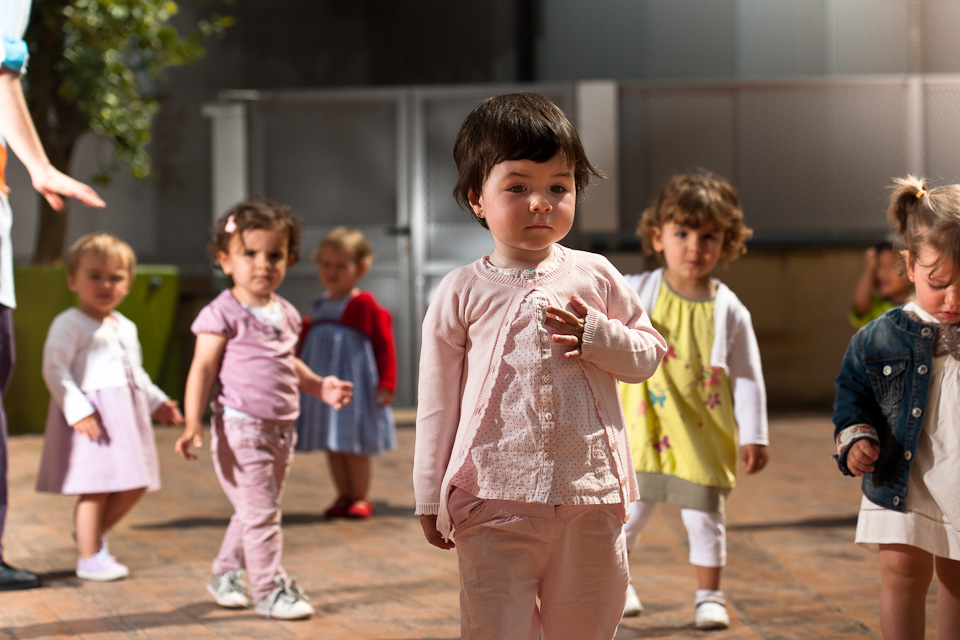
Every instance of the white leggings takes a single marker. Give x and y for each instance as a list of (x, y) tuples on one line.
[(706, 532)]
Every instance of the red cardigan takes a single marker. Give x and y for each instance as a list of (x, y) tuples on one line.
[(365, 315)]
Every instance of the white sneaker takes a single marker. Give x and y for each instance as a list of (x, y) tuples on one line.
[(228, 590), (101, 567), (711, 612), (286, 602), (633, 606)]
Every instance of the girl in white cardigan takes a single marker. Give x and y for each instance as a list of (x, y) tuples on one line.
[(98, 442), (705, 407), (521, 459)]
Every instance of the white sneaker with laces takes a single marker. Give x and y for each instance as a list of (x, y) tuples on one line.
[(229, 591), (711, 612), (633, 606), (101, 567), (286, 602)]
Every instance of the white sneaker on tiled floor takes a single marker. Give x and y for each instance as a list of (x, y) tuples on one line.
[(286, 602), (711, 612), (101, 567), (229, 591), (633, 606)]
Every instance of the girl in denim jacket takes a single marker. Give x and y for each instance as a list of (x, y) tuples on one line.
[(896, 416)]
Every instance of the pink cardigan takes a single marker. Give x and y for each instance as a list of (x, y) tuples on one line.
[(462, 351)]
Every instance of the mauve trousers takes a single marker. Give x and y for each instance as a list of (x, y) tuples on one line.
[(6, 368), (573, 558), (252, 459)]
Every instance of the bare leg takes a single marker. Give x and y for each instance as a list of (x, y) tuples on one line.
[(948, 598), (88, 518), (358, 468), (340, 473), (708, 578), (905, 574), (118, 505)]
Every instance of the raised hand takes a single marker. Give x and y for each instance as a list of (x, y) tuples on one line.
[(569, 326)]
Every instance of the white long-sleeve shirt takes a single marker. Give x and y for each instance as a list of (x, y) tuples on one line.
[(82, 354)]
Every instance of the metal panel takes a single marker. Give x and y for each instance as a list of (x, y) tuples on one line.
[(776, 39), (942, 101), (339, 158), (815, 158), (673, 130)]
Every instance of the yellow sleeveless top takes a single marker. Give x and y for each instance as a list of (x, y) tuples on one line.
[(681, 425)]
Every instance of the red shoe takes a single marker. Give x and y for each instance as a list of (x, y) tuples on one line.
[(338, 509), (362, 508)]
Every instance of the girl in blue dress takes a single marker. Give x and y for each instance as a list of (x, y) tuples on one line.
[(347, 334)]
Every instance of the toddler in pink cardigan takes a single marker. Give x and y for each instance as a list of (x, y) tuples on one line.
[(522, 461)]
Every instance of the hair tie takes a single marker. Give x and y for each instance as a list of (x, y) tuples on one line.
[(921, 193), (231, 225)]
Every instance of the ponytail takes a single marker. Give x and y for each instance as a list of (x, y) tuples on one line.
[(923, 217)]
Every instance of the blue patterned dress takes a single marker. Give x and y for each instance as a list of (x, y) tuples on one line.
[(332, 348)]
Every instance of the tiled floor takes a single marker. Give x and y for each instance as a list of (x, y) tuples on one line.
[(793, 571)]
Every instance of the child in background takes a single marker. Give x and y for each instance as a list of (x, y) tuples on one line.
[(246, 341), (98, 442), (896, 416), (881, 287), (705, 407), (349, 335), (521, 456)]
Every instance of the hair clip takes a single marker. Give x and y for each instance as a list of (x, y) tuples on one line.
[(921, 193), (231, 225)]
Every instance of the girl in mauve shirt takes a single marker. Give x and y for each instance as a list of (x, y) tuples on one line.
[(246, 341), (521, 460)]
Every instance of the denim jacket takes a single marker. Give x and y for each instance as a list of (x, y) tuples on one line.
[(882, 395)]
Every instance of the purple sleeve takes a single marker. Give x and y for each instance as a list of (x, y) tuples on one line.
[(212, 319)]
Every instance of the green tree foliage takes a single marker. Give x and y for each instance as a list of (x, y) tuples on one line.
[(93, 67)]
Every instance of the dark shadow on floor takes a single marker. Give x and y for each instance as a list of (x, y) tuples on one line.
[(118, 624), (290, 518), (811, 523)]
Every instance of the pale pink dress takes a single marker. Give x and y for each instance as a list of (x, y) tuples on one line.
[(125, 455)]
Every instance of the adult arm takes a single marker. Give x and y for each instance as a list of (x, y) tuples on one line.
[(21, 136)]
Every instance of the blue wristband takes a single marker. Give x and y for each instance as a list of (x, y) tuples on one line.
[(14, 54)]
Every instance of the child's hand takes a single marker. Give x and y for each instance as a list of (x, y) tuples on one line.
[(168, 413), (89, 426), (429, 524), (335, 392), (863, 453), (753, 457), (569, 326), (191, 436), (384, 397)]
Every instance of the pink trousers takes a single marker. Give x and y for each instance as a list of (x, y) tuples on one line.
[(573, 558), (252, 459)]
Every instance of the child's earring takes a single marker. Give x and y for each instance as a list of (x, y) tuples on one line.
[(476, 204)]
